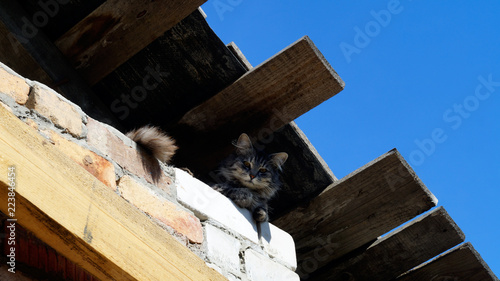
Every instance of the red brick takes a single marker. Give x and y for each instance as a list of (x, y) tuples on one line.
[(106, 141), (48, 103), (14, 86), (101, 168), (161, 209)]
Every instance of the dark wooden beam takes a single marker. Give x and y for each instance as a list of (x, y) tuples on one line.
[(182, 68), (399, 251), (461, 263), (117, 30), (51, 60), (356, 210)]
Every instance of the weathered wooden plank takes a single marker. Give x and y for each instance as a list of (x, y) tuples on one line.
[(97, 230), (117, 30), (260, 102), (70, 84), (356, 210), (460, 263), (294, 81), (178, 71), (399, 251)]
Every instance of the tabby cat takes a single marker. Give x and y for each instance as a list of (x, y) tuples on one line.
[(250, 177)]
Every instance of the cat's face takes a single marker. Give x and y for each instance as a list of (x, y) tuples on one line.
[(254, 170)]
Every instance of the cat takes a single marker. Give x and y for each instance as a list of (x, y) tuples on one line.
[(250, 177), (153, 144)]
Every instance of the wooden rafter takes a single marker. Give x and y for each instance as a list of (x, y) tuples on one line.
[(116, 31), (399, 251), (356, 210)]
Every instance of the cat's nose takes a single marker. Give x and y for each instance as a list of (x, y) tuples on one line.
[(252, 176)]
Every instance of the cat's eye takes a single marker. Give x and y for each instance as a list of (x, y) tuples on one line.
[(263, 170), (247, 164)]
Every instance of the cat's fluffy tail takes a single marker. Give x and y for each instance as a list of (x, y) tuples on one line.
[(154, 141)]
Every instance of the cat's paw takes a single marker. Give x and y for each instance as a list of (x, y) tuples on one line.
[(260, 215), (242, 197), (243, 201)]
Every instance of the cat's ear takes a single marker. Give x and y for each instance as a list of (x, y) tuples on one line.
[(244, 144), (278, 159)]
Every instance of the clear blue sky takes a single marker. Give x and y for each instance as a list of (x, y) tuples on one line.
[(421, 76)]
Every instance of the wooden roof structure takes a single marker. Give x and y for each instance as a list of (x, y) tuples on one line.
[(130, 63)]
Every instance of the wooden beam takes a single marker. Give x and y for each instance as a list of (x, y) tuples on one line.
[(49, 57), (178, 71), (117, 30), (461, 263), (290, 83), (399, 251), (77, 215), (260, 102), (356, 210)]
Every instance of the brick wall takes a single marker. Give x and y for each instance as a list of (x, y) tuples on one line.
[(208, 223)]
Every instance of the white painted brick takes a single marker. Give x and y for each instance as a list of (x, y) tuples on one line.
[(261, 268), (279, 244), (207, 203), (223, 249)]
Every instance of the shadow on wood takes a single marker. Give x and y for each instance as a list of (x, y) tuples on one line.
[(399, 251), (355, 210)]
